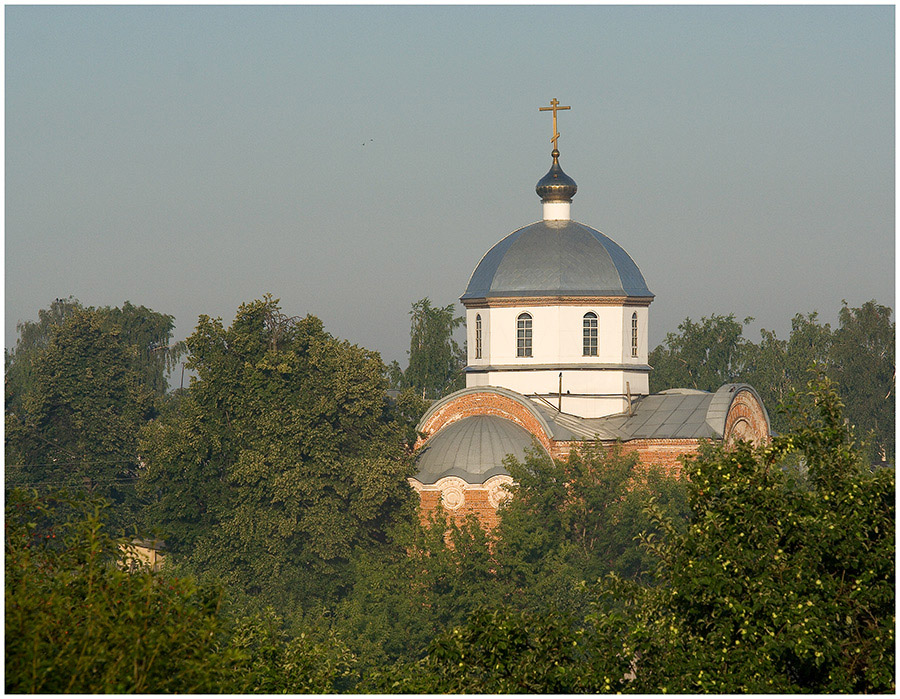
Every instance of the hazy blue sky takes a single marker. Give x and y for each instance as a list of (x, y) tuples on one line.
[(351, 160)]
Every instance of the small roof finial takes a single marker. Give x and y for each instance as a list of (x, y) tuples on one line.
[(556, 186), (554, 107)]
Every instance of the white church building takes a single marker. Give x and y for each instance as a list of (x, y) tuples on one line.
[(557, 315)]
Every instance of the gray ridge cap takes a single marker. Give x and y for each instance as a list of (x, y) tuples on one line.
[(529, 404), (682, 392)]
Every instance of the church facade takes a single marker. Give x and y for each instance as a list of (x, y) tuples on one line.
[(557, 315)]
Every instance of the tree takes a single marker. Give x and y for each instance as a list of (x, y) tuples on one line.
[(80, 618), (76, 621), (33, 338), (77, 424), (500, 651), (781, 582), (149, 337), (428, 579), (864, 367), (146, 335), (702, 355), (777, 368), (435, 359), (575, 520), (784, 580), (283, 457)]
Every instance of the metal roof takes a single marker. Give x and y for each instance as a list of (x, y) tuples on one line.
[(556, 258), (472, 449), (678, 413)]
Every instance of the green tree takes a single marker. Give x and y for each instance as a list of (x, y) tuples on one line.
[(777, 368), (501, 651), (148, 336), (283, 456), (145, 334), (427, 579), (76, 621), (863, 364), (80, 617), (33, 338), (783, 582), (77, 424), (435, 359), (576, 519), (701, 355)]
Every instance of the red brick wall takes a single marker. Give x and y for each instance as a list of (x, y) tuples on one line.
[(477, 503)]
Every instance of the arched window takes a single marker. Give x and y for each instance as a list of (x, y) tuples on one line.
[(590, 334), (478, 336), (634, 337), (523, 335)]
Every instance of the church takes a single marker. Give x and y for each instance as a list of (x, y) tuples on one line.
[(557, 315)]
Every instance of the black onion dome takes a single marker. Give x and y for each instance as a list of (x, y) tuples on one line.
[(556, 185)]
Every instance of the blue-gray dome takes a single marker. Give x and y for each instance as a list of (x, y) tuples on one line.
[(472, 449), (556, 258)]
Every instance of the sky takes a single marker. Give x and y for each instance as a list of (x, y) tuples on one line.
[(352, 160)]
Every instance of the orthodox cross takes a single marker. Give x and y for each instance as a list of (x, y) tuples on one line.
[(554, 107)]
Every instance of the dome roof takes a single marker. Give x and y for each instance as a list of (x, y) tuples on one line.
[(472, 449), (556, 258)]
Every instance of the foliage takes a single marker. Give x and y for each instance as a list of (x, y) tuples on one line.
[(566, 523), (702, 355), (269, 660), (501, 651), (435, 359), (80, 618), (33, 338), (77, 425), (864, 367), (578, 519), (858, 356), (782, 582), (429, 579), (146, 336), (776, 367), (76, 621), (283, 457)]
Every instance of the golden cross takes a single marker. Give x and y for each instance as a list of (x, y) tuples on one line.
[(554, 107)]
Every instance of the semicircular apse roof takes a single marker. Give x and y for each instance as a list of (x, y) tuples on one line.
[(472, 449), (556, 258)]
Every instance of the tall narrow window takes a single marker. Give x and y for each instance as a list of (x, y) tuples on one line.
[(478, 336), (634, 338), (590, 334), (523, 335)]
